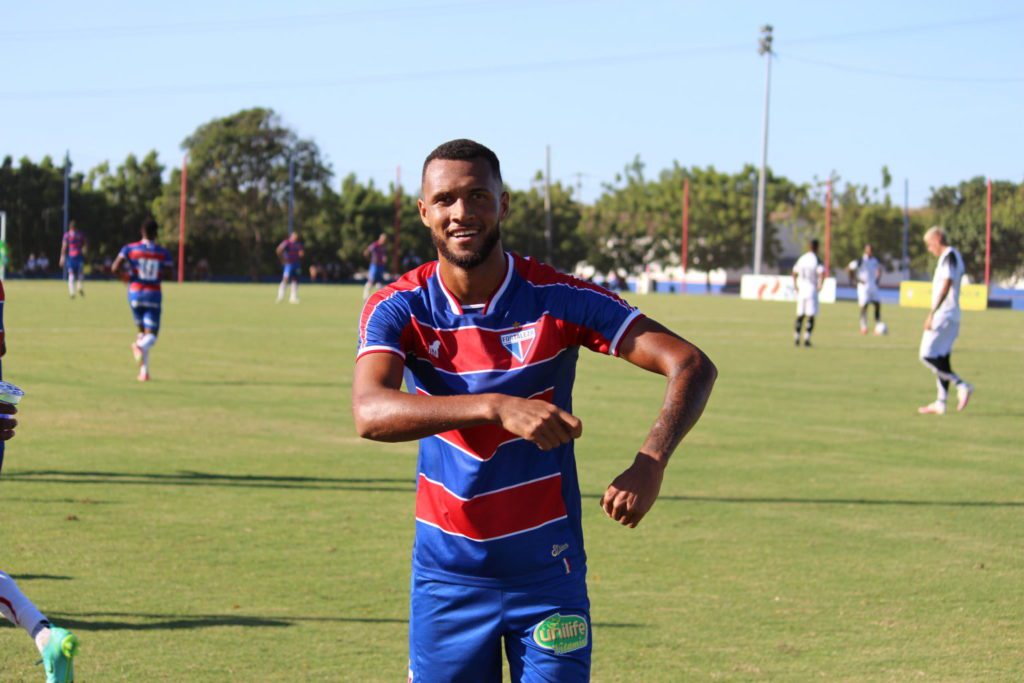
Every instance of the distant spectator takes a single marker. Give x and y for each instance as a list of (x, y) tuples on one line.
[(202, 270)]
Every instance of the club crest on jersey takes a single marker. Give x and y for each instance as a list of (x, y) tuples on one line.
[(519, 342)]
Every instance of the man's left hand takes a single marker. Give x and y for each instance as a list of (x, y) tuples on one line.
[(928, 322), (633, 492)]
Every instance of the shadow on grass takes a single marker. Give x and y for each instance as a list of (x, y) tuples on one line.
[(41, 577), (190, 478), (127, 621), (834, 501)]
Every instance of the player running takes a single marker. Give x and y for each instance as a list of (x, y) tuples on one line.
[(57, 646), (71, 258), (942, 326), (147, 264), (290, 252), (808, 279), (377, 251), (867, 273), (487, 342)]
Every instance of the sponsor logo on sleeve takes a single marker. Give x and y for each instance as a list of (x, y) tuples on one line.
[(562, 633)]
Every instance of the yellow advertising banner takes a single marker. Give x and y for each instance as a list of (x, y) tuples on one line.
[(919, 295)]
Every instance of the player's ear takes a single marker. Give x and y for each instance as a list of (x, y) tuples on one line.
[(423, 212), (503, 205)]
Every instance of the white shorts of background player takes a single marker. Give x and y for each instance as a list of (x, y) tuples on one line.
[(866, 295), (938, 341), (807, 305)]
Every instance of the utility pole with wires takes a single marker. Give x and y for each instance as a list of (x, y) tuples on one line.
[(764, 48)]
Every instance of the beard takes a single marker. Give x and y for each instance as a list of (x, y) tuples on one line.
[(473, 259)]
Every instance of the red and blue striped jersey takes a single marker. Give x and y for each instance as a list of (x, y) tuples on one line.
[(291, 252), (146, 261), (73, 242), (492, 509)]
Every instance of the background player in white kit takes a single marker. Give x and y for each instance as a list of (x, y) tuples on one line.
[(942, 325), (867, 273), (808, 278)]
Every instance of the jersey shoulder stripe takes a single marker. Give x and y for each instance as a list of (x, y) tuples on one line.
[(394, 299)]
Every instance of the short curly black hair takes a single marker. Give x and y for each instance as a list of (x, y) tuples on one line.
[(464, 150), (149, 228)]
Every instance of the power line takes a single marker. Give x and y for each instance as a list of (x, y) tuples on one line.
[(260, 23), (902, 76)]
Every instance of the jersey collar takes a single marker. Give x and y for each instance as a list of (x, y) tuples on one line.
[(492, 300)]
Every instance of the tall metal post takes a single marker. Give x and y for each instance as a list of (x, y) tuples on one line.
[(828, 228), (3, 245), (686, 229), (764, 48), (396, 250), (988, 233), (67, 189), (291, 195), (905, 261), (548, 229), (181, 218)]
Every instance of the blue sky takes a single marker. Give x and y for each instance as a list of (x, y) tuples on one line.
[(935, 90)]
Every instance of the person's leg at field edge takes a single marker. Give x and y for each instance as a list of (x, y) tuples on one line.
[(550, 632), (454, 633), (56, 645)]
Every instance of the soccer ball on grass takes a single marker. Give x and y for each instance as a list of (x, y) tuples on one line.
[(881, 328)]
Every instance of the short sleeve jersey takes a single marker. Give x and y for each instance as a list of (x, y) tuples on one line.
[(291, 252), (949, 267), (146, 261), (866, 267), (73, 242), (378, 254), (807, 269), (492, 509)]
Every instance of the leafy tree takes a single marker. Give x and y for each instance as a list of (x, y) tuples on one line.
[(238, 190), (960, 210), (523, 230)]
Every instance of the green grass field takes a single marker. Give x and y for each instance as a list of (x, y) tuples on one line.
[(224, 522)]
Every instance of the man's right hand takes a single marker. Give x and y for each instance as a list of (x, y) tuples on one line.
[(537, 421), (7, 421)]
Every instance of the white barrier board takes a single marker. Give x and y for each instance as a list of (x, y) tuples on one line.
[(780, 288)]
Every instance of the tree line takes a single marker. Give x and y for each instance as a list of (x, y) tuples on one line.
[(238, 194)]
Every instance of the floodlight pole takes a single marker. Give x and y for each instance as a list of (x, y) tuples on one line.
[(181, 218), (988, 233), (764, 48), (67, 188), (3, 241), (547, 206), (396, 255), (291, 195), (905, 263), (828, 227)]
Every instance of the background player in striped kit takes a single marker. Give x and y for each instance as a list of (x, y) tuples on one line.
[(148, 263), (866, 272), (377, 252), (57, 646), (72, 249), (808, 278), (942, 326), (290, 251), (487, 342)]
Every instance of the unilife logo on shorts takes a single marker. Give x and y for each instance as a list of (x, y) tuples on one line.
[(562, 633), (519, 342)]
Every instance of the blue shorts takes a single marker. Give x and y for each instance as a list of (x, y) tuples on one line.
[(74, 266), (456, 631), (146, 315), (291, 271), (376, 274)]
